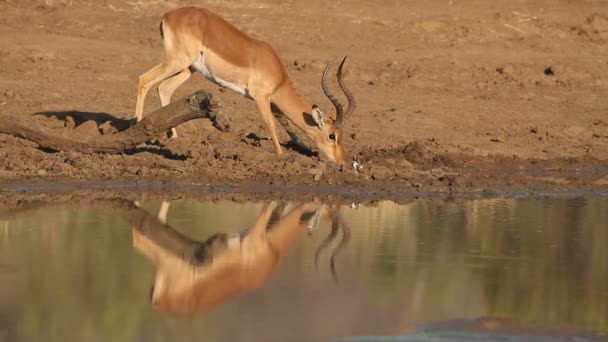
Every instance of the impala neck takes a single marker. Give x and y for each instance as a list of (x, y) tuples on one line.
[(288, 100)]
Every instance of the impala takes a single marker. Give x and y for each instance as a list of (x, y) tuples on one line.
[(193, 277), (196, 39)]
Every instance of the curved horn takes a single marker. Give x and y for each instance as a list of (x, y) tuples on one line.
[(352, 104), (343, 242), (330, 96), (332, 235)]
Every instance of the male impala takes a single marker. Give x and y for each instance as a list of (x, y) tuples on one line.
[(193, 277), (195, 39)]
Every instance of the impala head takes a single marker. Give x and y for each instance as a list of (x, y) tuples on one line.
[(329, 139)]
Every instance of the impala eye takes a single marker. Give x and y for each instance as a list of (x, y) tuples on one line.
[(332, 137)]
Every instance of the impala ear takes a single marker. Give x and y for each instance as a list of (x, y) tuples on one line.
[(318, 116)]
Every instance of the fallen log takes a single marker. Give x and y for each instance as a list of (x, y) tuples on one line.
[(152, 126)]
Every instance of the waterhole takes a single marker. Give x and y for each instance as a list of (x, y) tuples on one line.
[(120, 270)]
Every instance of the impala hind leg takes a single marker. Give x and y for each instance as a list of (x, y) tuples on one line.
[(167, 87), (158, 73)]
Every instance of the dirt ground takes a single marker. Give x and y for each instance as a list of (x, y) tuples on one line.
[(453, 95)]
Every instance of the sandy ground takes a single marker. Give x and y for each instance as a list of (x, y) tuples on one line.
[(453, 96)]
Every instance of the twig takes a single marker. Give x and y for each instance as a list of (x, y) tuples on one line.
[(515, 28), (529, 17)]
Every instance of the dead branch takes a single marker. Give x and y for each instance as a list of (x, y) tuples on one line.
[(152, 126)]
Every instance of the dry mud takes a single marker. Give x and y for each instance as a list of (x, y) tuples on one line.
[(453, 96)]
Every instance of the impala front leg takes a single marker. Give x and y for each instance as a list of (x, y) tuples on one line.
[(295, 140), (264, 108)]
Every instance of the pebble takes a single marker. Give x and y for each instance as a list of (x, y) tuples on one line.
[(88, 128), (106, 128), (317, 174)]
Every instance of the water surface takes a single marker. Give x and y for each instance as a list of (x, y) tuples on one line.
[(226, 271)]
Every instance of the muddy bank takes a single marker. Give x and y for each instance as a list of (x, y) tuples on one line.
[(415, 168)]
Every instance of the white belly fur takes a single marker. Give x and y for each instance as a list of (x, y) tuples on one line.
[(199, 65)]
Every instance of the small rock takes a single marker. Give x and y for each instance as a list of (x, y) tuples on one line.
[(88, 128), (317, 173), (222, 122), (300, 65), (507, 69), (437, 172), (52, 122), (69, 122), (497, 138), (405, 164), (392, 63), (106, 128)]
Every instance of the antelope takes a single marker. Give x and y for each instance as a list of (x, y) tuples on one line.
[(196, 39), (193, 277)]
